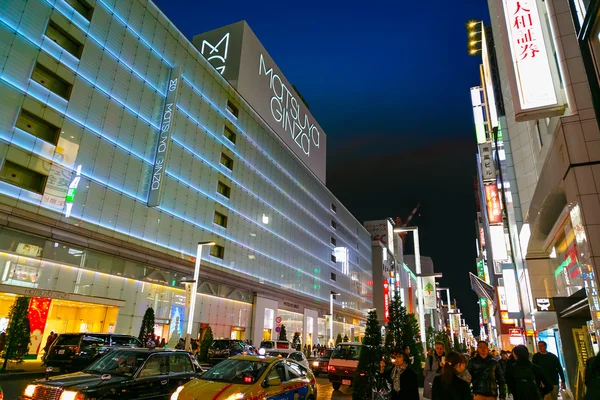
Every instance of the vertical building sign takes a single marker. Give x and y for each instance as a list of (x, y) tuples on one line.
[(478, 117), (492, 201), (164, 139), (512, 295), (488, 168), (386, 300), (532, 73), (429, 292)]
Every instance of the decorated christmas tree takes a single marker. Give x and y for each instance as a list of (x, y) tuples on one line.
[(283, 333), (393, 337), (411, 337), (147, 328), (296, 341), (370, 357), (346, 339), (338, 339), (17, 333), (207, 340)]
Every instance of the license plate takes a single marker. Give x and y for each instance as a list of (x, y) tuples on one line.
[(61, 352), (346, 382)]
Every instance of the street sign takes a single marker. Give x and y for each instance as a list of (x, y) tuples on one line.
[(278, 320), (278, 329)]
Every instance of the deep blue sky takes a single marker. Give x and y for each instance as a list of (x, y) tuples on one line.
[(389, 84)]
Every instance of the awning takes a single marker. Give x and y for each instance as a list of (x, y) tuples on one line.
[(482, 288)]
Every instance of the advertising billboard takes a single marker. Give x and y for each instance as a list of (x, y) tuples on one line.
[(510, 286), (429, 292), (488, 167), (386, 300), (492, 200), (237, 54), (383, 231), (530, 71), (478, 116)]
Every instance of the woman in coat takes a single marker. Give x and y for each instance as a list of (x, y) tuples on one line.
[(402, 378), (449, 385)]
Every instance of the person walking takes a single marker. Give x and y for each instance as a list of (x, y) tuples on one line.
[(433, 368), (525, 380), (503, 360), (550, 364), (402, 378), (486, 374), (592, 378), (407, 352), (449, 385)]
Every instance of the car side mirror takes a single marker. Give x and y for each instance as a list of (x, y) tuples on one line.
[(274, 381)]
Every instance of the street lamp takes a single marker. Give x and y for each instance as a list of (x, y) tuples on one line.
[(331, 315), (415, 232), (192, 294), (449, 313)]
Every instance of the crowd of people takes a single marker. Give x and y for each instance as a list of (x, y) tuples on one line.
[(487, 375)]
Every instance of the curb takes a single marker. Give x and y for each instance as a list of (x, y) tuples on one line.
[(21, 375)]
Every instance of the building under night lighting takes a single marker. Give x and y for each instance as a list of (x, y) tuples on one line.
[(122, 147)]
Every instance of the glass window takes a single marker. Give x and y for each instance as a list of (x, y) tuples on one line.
[(82, 7), (38, 127), (220, 219), (125, 341), (23, 177), (278, 371), (236, 371), (180, 364), (217, 251), (51, 81), (346, 352), (63, 39), (233, 110), (121, 362), (223, 189), (156, 365), (295, 371), (226, 161), (229, 134), (297, 356)]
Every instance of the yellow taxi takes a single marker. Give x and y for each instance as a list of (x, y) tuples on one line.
[(248, 377)]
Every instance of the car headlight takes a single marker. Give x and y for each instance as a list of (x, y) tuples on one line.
[(70, 395), (29, 390), (315, 363), (175, 395)]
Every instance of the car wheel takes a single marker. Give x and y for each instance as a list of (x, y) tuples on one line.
[(336, 385)]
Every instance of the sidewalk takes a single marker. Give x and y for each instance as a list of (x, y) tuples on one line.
[(27, 368)]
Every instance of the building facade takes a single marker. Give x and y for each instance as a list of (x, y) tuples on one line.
[(542, 219), (122, 147)]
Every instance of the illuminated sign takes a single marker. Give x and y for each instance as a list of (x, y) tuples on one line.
[(386, 301), (498, 240), (237, 54), (530, 62), (164, 139), (429, 292), (512, 295), (488, 168), (72, 192), (484, 310), (493, 204), (478, 116), (544, 304), (502, 298)]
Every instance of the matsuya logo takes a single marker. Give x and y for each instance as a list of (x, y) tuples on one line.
[(285, 109), (216, 52)]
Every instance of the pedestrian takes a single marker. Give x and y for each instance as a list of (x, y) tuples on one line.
[(433, 368), (401, 377), (194, 346), (49, 340), (163, 343), (525, 380), (486, 374), (503, 360), (407, 352), (550, 364), (592, 378), (180, 345), (449, 385)]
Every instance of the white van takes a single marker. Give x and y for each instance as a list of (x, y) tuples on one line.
[(343, 364)]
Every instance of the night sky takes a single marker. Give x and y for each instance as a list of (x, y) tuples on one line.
[(389, 84)]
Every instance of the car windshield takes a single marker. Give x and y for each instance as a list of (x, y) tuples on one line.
[(277, 354), (327, 353), (236, 371), (68, 340), (347, 352), (118, 362)]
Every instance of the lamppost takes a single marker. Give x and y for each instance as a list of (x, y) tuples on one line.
[(191, 295), (415, 232), (331, 315), (449, 304)]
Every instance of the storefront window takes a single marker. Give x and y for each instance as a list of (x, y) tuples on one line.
[(567, 265)]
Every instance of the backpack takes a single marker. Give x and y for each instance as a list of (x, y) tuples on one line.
[(526, 386)]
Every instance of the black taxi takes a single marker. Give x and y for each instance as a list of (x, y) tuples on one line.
[(125, 373)]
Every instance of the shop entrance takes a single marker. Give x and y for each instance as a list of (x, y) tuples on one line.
[(60, 316)]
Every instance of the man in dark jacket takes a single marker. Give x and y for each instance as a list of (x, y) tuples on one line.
[(487, 376), (525, 380), (550, 364)]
